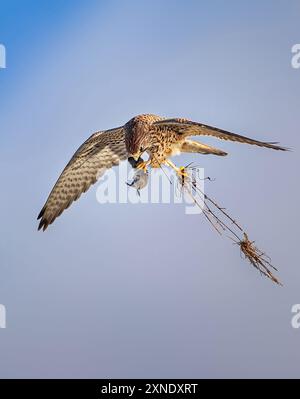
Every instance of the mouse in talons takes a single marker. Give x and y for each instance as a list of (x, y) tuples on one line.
[(139, 180)]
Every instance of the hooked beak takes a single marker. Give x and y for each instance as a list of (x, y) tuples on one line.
[(136, 156)]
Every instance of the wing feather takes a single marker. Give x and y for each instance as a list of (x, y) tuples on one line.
[(97, 154), (190, 128)]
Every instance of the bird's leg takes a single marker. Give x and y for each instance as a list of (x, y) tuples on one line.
[(143, 165), (179, 170)]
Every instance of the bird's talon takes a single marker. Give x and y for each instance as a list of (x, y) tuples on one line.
[(181, 171), (142, 166)]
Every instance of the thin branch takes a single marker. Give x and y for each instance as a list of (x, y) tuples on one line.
[(255, 256)]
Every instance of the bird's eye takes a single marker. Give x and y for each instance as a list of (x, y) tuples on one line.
[(141, 149)]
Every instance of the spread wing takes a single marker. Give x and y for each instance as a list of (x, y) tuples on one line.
[(190, 128), (100, 152)]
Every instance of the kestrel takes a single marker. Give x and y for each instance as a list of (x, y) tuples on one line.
[(160, 138)]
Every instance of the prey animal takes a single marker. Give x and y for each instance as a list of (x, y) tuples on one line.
[(160, 138), (139, 181)]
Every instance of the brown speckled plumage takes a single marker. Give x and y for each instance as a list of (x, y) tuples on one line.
[(100, 152), (161, 138)]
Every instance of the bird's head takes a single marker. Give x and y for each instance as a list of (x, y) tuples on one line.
[(136, 155), (136, 138)]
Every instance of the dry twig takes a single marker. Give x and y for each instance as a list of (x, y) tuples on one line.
[(220, 219)]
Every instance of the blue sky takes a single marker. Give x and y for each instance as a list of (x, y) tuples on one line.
[(79, 303)]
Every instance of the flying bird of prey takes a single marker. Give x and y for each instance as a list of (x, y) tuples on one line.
[(160, 138)]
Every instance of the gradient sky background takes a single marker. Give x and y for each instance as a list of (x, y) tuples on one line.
[(81, 302)]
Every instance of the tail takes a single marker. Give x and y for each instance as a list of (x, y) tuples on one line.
[(195, 146)]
